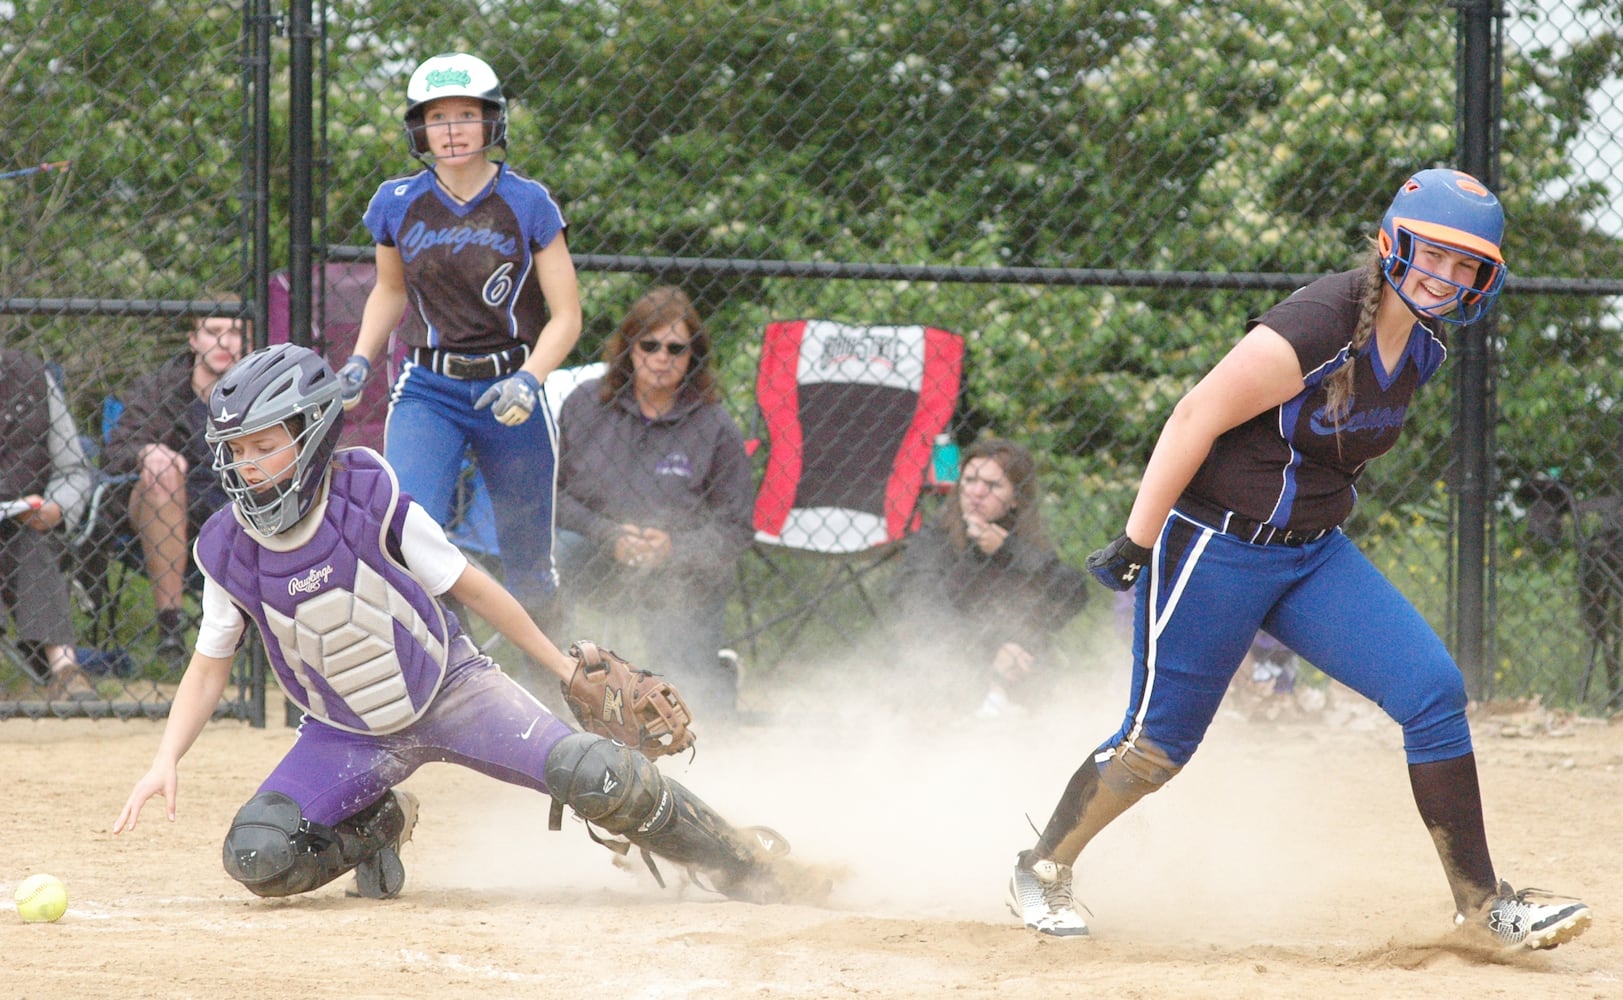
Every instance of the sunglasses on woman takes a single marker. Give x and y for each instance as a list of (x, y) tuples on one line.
[(673, 348)]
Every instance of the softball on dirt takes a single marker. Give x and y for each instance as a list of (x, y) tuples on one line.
[(41, 898)]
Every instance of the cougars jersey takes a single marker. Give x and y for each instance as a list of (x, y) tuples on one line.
[(469, 268), (1292, 466)]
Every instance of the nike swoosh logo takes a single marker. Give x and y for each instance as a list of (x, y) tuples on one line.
[(530, 729)]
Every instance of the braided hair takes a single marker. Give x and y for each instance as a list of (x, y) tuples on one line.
[(1339, 386)]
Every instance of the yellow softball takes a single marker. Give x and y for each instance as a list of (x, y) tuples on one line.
[(41, 898)]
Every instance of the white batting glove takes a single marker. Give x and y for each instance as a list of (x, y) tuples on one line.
[(352, 379), (513, 399)]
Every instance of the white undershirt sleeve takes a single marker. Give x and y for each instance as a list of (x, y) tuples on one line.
[(432, 557), (222, 625)]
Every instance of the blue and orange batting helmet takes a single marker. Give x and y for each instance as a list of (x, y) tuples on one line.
[(1453, 210)]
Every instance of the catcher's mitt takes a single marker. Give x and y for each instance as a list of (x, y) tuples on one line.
[(612, 698)]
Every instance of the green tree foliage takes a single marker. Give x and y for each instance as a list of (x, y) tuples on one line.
[(146, 103), (1158, 137), (1561, 371), (1169, 137)]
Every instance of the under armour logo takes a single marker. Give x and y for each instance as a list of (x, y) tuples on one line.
[(1132, 572)]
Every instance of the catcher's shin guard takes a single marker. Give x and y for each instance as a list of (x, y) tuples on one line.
[(274, 851), (620, 791)]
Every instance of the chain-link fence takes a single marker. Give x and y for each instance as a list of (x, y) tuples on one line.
[(124, 213), (1093, 195)]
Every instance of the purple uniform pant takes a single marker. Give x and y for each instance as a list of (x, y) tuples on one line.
[(480, 719)]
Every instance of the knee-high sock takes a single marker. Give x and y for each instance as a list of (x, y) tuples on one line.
[(1450, 803)]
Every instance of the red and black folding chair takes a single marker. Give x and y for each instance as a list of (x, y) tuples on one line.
[(850, 415)]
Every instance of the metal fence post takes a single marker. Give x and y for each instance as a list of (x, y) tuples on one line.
[(301, 181), (1479, 88)]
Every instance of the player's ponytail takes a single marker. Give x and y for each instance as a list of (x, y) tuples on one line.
[(1339, 386)]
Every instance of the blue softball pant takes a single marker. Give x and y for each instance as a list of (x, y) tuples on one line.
[(432, 424), (1198, 608)]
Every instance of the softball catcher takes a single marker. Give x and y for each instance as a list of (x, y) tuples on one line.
[(344, 577)]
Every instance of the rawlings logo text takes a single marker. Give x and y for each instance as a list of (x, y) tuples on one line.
[(310, 582)]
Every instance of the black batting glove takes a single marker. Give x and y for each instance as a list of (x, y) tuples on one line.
[(1118, 564)]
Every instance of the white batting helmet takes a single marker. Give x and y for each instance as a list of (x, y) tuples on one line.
[(454, 74)]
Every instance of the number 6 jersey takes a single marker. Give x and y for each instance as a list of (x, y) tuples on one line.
[(469, 268)]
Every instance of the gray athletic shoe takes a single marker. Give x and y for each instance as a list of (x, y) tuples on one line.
[(383, 875), (1515, 921), (1040, 895)]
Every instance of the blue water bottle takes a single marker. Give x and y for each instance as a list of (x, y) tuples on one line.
[(944, 459)]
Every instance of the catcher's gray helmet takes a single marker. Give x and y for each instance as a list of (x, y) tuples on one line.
[(268, 387)]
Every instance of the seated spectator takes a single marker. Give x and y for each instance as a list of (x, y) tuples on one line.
[(980, 590), (45, 481), (655, 495), (159, 438)]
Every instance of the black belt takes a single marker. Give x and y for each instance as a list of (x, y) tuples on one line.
[(1244, 528), (471, 366)]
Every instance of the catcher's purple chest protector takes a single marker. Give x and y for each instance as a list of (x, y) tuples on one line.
[(353, 637)]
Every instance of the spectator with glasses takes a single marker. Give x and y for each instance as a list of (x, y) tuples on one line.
[(981, 588), (655, 495)]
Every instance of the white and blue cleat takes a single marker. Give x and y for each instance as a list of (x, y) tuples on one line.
[(1040, 895)]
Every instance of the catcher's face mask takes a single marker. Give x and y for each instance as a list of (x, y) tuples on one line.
[(281, 395)]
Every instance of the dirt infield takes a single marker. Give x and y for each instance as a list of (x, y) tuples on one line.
[(1287, 861)]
